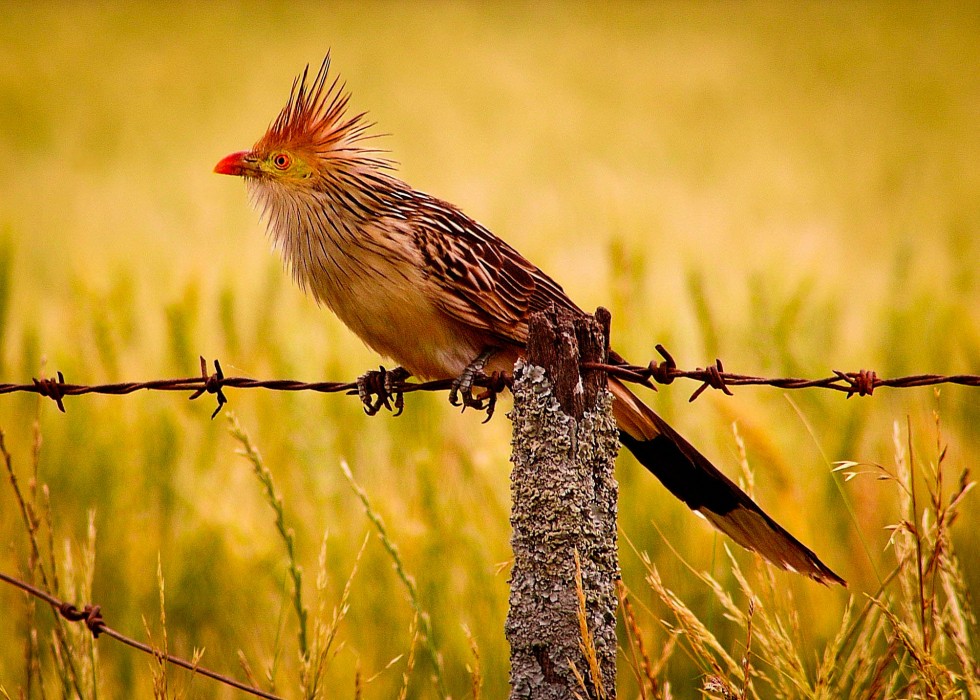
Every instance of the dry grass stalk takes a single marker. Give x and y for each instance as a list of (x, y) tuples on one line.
[(413, 633), (325, 631), (77, 585), (586, 641), (646, 673), (425, 624), (160, 679), (67, 658), (638, 659), (247, 669), (704, 645), (746, 657), (747, 482), (913, 638), (475, 671), (288, 536)]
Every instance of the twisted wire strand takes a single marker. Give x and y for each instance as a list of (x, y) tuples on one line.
[(664, 372)]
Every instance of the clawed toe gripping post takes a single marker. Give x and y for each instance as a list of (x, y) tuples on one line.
[(377, 388)]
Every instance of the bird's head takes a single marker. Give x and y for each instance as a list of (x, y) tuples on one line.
[(310, 142)]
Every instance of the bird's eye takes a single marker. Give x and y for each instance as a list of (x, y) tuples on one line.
[(281, 161)]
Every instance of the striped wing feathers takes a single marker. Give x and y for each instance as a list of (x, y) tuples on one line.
[(479, 279)]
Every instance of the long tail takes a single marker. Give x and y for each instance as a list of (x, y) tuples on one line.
[(692, 478)]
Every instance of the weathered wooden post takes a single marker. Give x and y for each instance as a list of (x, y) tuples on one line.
[(564, 501)]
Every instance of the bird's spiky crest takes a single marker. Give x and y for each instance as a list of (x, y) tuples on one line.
[(315, 118)]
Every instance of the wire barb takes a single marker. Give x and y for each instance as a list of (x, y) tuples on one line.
[(90, 614), (714, 377), (212, 385), (663, 372), (862, 383), (52, 389)]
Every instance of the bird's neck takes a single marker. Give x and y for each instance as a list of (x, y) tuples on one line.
[(323, 231)]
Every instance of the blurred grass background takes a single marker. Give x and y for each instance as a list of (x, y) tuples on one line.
[(792, 188)]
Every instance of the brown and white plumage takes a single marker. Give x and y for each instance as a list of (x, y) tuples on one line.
[(424, 284)]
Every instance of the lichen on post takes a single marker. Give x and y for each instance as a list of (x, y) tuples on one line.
[(564, 501)]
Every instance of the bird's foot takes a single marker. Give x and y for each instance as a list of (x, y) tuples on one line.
[(496, 383), (378, 388), (461, 393)]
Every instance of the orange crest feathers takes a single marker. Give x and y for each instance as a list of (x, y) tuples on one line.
[(315, 117)]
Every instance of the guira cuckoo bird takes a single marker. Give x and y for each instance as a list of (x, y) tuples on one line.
[(422, 283)]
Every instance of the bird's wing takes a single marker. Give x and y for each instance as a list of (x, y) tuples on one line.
[(477, 278)]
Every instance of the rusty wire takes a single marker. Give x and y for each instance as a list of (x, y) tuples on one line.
[(862, 383), (91, 615), (385, 389)]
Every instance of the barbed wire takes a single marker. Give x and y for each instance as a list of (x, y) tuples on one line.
[(862, 383), (386, 389), (91, 615)]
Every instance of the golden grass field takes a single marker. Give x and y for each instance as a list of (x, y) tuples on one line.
[(793, 189)]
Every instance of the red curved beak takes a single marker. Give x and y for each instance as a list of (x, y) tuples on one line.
[(234, 164)]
